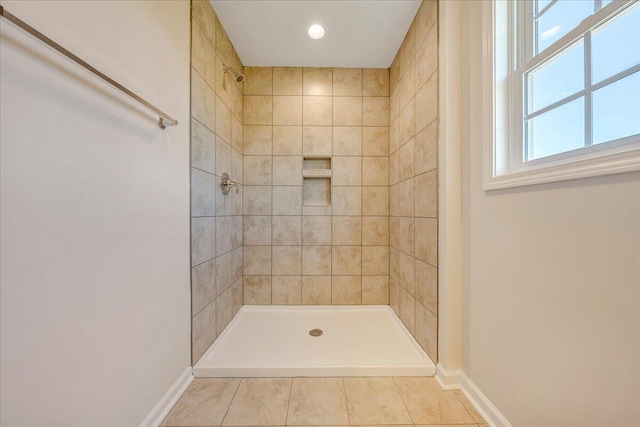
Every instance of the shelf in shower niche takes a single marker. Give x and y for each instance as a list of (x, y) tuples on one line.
[(316, 173)]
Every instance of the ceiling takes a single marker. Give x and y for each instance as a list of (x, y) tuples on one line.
[(360, 33)]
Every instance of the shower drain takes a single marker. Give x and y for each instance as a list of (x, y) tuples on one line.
[(315, 332)]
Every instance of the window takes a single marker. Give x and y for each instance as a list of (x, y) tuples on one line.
[(566, 89)]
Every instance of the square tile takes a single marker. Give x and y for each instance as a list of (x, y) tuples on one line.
[(346, 200), (426, 149), (346, 260), (316, 260), (287, 81), (375, 260), (287, 110), (286, 230), (375, 141), (286, 290), (287, 140), (257, 290), (316, 290), (256, 200), (286, 260), (205, 402), (375, 290), (257, 170), (257, 110), (260, 401), (375, 82), (347, 141), (375, 171), (317, 402), (317, 110), (316, 230), (347, 111), (375, 111), (346, 170), (287, 200), (317, 81), (375, 230), (346, 290), (374, 401), (428, 403), (347, 82), (257, 260), (287, 170), (259, 80), (426, 332), (316, 140), (257, 230), (257, 140)]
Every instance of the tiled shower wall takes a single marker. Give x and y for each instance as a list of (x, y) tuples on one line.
[(300, 254), (413, 176), (216, 147)]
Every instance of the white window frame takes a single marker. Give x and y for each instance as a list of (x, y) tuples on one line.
[(503, 105)]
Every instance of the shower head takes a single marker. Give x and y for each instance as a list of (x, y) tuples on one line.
[(238, 76)]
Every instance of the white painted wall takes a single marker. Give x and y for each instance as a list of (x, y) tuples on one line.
[(95, 322), (552, 285)]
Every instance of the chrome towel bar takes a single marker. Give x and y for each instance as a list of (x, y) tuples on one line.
[(164, 119)]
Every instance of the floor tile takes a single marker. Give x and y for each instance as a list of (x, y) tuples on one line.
[(375, 401), (465, 402), (428, 403), (317, 402), (260, 401), (205, 402)]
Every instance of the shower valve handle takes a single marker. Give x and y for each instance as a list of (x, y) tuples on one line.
[(226, 184)]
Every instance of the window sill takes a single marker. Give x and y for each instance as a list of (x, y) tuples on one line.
[(618, 161)]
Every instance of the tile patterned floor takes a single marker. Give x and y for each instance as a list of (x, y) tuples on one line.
[(358, 401)]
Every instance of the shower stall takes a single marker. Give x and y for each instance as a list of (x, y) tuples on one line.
[(313, 211)]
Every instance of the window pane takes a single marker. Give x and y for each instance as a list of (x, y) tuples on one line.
[(556, 131), (616, 45), (561, 18), (557, 79), (616, 110), (541, 4)]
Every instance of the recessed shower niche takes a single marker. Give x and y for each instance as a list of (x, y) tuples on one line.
[(316, 184)]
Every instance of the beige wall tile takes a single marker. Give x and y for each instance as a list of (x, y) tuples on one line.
[(203, 101), (203, 331), (347, 82), (204, 15), (427, 240), (427, 331), (256, 200), (203, 198), (317, 140), (317, 401), (287, 81), (427, 103), (394, 105), (257, 170), (287, 110), (257, 140), (347, 230), (426, 149), (375, 290), (286, 230), (347, 141), (317, 110), (375, 230), (375, 171), (317, 195), (316, 230), (346, 290), (427, 58), (257, 260), (286, 290), (346, 260), (259, 81), (407, 234), (407, 160), (407, 50), (203, 285), (238, 292), (375, 260), (203, 147), (428, 403), (375, 200), (346, 170), (375, 111), (394, 135), (427, 285), (374, 401), (346, 200), (407, 272), (375, 82), (316, 260), (375, 141), (257, 230), (224, 48), (347, 111), (287, 260), (257, 290), (257, 110), (425, 18), (407, 310), (203, 239), (260, 401), (316, 290), (426, 203), (203, 56), (407, 122), (287, 200), (224, 310), (287, 140), (407, 85), (236, 134), (394, 296), (317, 81), (287, 170), (224, 159), (405, 192)]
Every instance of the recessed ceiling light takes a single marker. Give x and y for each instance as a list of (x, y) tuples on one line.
[(316, 31)]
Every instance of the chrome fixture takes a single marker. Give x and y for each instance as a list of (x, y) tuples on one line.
[(226, 184), (164, 119), (239, 76)]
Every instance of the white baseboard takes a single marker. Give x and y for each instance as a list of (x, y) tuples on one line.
[(162, 408), (457, 379)]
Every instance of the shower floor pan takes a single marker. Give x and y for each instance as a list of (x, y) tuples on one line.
[(275, 341)]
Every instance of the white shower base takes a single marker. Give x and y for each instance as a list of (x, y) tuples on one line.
[(274, 341)]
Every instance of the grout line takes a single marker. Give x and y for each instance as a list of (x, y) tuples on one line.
[(346, 401), (231, 402), (286, 419), (402, 398)]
